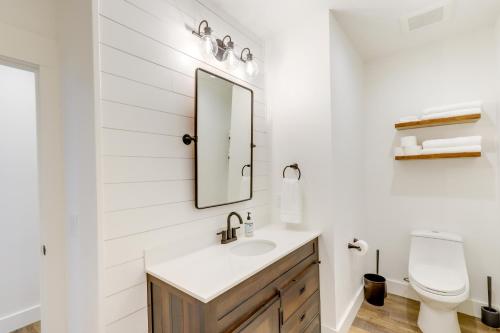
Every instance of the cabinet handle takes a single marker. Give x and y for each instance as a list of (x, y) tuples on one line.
[(302, 290), (302, 317)]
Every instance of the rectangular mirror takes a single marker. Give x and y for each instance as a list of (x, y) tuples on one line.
[(224, 141)]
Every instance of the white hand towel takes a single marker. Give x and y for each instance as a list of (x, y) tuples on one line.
[(453, 142), (454, 113), (451, 107), (291, 201), (444, 150), (245, 187)]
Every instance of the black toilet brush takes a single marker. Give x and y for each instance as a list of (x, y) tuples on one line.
[(490, 316)]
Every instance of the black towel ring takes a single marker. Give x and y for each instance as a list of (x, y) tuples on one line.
[(243, 169), (294, 166)]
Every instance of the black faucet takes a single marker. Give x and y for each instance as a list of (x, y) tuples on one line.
[(229, 235)]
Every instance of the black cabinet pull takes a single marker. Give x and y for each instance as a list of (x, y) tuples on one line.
[(302, 290), (302, 317)]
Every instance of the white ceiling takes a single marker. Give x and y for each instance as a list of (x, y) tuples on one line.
[(372, 25), (377, 31)]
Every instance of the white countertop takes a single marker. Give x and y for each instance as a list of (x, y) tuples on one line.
[(208, 273)]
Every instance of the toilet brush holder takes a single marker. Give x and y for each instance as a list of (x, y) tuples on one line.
[(490, 316), (375, 287)]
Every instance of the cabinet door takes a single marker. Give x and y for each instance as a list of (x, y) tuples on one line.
[(265, 320)]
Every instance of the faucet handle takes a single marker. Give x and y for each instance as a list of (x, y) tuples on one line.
[(224, 235), (233, 232)]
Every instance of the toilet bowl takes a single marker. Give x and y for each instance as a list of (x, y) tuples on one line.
[(438, 273)]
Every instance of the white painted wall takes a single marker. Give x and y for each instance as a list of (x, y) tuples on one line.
[(27, 35), (348, 146), (20, 236), (77, 40), (458, 195), (32, 16), (299, 89), (316, 104), (148, 60)]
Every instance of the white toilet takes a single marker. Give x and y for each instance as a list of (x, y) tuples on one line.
[(438, 274)]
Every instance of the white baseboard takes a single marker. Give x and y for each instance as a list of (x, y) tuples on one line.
[(470, 307), (350, 314), (326, 329), (20, 319)]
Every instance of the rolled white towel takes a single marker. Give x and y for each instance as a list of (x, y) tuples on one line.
[(454, 113), (399, 151), (412, 150), (451, 107), (461, 149), (453, 142)]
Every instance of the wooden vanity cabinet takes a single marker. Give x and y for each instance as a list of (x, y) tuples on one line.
[(266, 319), (282, 298)]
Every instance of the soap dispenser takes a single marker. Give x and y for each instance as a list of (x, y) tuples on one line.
[(249, 226)]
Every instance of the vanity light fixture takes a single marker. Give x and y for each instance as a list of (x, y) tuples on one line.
[(251, 67), (223, 50), (208, 42)]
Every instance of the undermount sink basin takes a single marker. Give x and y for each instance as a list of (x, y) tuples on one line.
[(253, 248)]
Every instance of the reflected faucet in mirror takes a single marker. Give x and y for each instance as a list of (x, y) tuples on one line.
[(229, 235)]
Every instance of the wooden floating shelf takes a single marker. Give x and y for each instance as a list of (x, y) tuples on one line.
[(436, 156), (470, 118)]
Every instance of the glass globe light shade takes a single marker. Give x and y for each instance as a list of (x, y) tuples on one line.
[(232, 61), (208, 44), (252, 68)]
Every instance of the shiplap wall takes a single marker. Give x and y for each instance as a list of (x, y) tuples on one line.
[(148, 58)]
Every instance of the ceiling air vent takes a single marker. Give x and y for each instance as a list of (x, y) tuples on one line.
[(429, 16)]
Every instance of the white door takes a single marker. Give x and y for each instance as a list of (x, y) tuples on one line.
[(19, 212)]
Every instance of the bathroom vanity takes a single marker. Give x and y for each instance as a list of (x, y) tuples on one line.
[(226, 288), (268, 283)]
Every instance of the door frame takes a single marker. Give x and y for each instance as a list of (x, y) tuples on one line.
[(50, 160)]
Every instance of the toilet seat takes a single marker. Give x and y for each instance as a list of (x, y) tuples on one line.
[(438, 280)]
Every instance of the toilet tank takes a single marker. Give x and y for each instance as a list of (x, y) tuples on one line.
[(437, 248)]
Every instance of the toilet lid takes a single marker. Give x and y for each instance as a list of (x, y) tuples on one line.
[(439, 280)]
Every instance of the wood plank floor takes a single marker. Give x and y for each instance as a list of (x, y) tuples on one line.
[(33, 328), (399, 315)]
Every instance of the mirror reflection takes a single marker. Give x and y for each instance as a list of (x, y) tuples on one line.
[(224, 141)]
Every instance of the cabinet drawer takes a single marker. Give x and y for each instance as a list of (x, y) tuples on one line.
[(314, 326), (303, 316), (299, 290)]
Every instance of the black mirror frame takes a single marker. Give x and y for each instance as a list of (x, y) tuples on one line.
[(252, 146)]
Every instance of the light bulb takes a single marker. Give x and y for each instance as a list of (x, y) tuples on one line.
[(252, 68), (208, 46), (232, 61)]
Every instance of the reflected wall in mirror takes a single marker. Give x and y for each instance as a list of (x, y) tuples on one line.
[(224, 141)]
